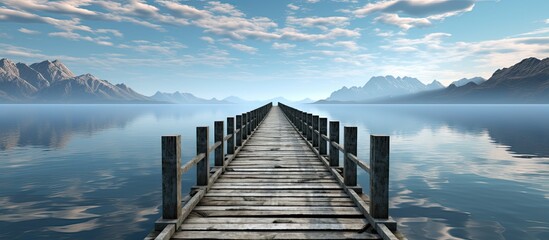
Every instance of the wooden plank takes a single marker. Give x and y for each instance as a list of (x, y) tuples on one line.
[(273, 235), (263, 176), (276, 202), (272, 226), (379, 176), (279, 187), (308, 169), (275, 194), (280, 180), (290, 199), (196, 219), (167, 233)]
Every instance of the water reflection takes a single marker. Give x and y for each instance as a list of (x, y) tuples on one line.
[(91, 171), (523, 128), (461, 172), (51, 126)]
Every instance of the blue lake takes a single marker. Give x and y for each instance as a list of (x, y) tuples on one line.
[(93, 171)]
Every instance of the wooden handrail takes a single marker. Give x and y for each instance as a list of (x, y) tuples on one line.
[(172, 212), (378, 168)]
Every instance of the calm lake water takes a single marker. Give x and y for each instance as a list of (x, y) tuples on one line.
[(93, 171)]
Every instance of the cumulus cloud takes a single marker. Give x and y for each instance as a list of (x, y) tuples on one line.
[(28, 31), (65, 6), (403, 22), (349, 45), (320, 22), (208, 39), (294, 34), (283, 46), (293, 7), (243, 48), (414, 13), (76, 36)]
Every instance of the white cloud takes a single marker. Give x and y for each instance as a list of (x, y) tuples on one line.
[(293, 7), (76, 36), (403, 22), (414, 13), (243, 48), (224, 8), (283, 46), (114, 32), (185, 10), (320, 22), (349, 45), (28, 31), (547, 21), (294, 34), (65, 6), (313, 1), (208, 39), (164, 47)]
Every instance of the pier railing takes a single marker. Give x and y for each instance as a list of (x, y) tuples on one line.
[(325, 142), (175, 208)]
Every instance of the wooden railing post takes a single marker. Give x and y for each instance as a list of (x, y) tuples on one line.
[(309, 125), (379, 176), (315, 128), (334, 137), (239, 133), (249, 124), (171, 177), (203, 166), (230, 131), (244, 126), (218, 137), (303, 123), (349, 167), (323, 129)]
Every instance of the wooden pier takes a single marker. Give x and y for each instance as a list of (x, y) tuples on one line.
[(279, 178)]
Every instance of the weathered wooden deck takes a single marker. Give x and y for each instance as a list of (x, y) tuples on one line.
[(275, 187)]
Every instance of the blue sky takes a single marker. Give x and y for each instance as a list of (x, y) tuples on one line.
[(262, 49)]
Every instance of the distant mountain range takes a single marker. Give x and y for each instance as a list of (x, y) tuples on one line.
[(383, 87), (234, 99), (53, 82), (464, 81), (524, 82), (184, 98)]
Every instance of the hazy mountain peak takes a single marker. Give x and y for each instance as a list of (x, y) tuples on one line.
[(465, 81), (8, 67), (53, 71)]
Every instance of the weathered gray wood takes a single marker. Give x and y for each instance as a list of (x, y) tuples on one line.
[(315, 131), (273, 226), (219, 157), (249, 123), (334, 137), (203, 166), (275, 202), (323, 129), (280, 199), (274, 235), (245, 220), (171, 177), (309, 127), (230, 131), (166, 233), (350, 145), (239, 128), (244, 126), (379, 176)]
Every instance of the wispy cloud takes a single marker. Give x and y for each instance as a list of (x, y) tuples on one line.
[(28, 31), (243, 48), (414, 13), (283, 46)]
